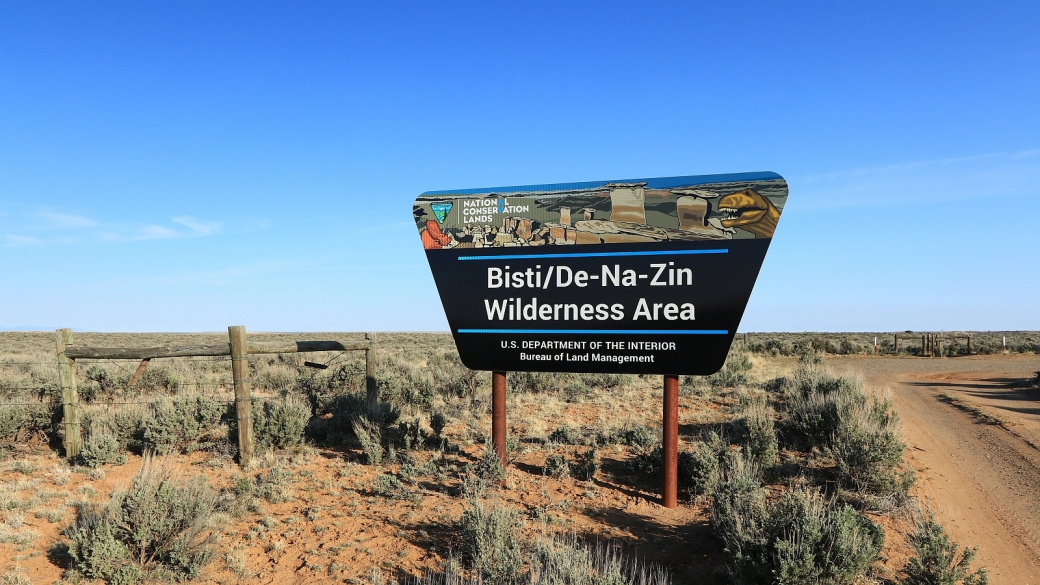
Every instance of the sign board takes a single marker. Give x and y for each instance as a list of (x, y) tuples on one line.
[(647, 276)]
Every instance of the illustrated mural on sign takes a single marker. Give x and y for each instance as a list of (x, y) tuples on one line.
[(635, 276), (607, 213)]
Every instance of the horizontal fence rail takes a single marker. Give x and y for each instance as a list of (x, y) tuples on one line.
[(147, 353)]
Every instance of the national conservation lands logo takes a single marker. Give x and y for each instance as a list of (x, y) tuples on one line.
[(640, 275)]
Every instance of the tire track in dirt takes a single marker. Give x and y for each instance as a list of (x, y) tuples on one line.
[(982, 480)]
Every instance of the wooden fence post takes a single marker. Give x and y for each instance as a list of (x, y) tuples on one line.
[(243, 395), (895, 344), (69, 396), (371, 384)]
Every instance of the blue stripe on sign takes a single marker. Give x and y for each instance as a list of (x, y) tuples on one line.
[(592, 254), (603, 331)]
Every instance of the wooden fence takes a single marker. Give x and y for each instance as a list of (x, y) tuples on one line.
[(932, 344), (238, 347)]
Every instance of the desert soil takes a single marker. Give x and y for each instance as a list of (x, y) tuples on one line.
[(972, 427), (982, 479)]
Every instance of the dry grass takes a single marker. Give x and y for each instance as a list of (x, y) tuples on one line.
[(316, 512)]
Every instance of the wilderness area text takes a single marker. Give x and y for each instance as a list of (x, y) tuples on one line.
[(516, 309)]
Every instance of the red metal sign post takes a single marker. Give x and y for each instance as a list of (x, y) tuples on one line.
[(498, 414), (671, 441)]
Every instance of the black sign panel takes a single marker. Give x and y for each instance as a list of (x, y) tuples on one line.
[(639, 276)]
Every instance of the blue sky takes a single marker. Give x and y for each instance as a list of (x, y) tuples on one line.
[(185, 166)]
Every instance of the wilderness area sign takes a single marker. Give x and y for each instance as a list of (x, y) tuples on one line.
[(646, 276)]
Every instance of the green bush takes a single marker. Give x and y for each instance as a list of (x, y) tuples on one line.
[(937, 561), (556, 466), (736, 372), (566, 435), (370, 436), (279, 424), (100, 449), (760, 434), (491, 542), (859, 431), (586, 464), (437, 422), (22, 422), (347, 408), (157, 527), (272, 486), (562, 561), (184, 423), (799, 538), (642, 437), (127, 426), (105, 383), (489, 469), (160, 378), (867, 450), (389, 486), (702, 466), (408, 435), (326, 391)]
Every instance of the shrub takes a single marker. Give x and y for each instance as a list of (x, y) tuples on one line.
[(347, 408), (101, 377), (642, 437), (280, 424), (100, 449), (272, 486), (556, 466), (325, 391), (390, 487), (937, 561), (760, 435), (799, 538), (159, 378), (867, 450), (126, 426), (566, 435), (566, 561), (585, 465), (702, 466), (370, 436), (860, 432), (157, 526), (437, 422), (408, 435), (736, 372), (184, 423), (22, 422), (490, 542), (489, 469)]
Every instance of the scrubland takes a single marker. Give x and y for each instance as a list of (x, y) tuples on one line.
[(789, 473)]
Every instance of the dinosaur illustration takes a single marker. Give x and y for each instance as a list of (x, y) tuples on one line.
[(750, 211)]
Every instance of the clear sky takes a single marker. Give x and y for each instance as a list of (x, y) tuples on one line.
[(185, 166)]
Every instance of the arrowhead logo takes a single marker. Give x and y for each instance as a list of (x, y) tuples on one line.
[(441, 209)]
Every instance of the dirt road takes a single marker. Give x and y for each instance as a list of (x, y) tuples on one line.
[(973, 433)]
